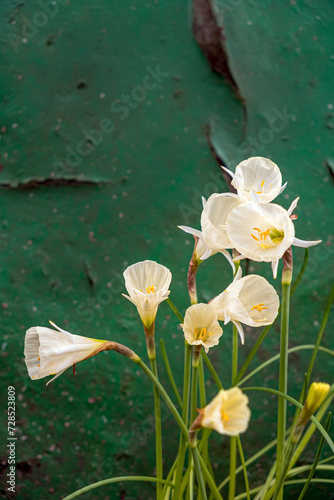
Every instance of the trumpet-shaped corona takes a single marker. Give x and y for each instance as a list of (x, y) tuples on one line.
[(250, 300), (147, 284), (228, 413), (201, 326), (257, 178), (51, 352)]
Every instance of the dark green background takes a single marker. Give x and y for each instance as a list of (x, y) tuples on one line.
[(69, 232)]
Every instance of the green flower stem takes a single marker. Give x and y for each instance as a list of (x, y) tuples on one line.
[(158, 433), (210, 480), (317, 457), (321, 331), (169, 477), (175, 310), (211, 369), (283, 373), (193, 405), (115, 480), (194, 383), (251, 460), (252, 353), (185, 418), (299, 405), (169, 372), (196, 458), (287, 461), (275, 358), (233, 440), (199, 475), (164, 394), (242, 458)]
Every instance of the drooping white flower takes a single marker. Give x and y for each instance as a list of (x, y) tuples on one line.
[(263, 231), (228, 413), (250, 300), (147, 284), (257, 179), (213, 220), (201, 326), (51, 352)]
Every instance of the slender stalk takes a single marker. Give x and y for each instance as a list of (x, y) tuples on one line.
[(185, 418), (211, 369), (164, 394), (317, 457), (252, 353), (174, 309), (169, 372), (199, 475), (193, 405), (158, 433), (210, 480), (233, 440), (321, 331), (243, 463), (115, 480), (283, 366)]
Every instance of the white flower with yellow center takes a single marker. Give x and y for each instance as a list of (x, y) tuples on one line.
[(228, 413), (257, 178), (51, 352), (147, 284), (213, 220), (201, 326), (250, 300), (263, 232)]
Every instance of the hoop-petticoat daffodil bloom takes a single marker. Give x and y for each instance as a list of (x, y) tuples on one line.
[(51, 352), (250, 300), (257, 179), (201, 326), (228, 413), (213, 217), (147, 284), (263, 232)]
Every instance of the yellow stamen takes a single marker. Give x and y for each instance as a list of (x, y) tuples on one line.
[(255, 238), (201, 334), (38, 359), (257, 229), (262, 183), (38, 366), (259, 307), (225, 417), (150, 289)]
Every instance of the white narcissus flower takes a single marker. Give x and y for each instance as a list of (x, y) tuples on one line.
[(213, 220), (228, 413), (51, 352), (257, 178), (201, 326), (263, 232), (250, 300), (147, 284)]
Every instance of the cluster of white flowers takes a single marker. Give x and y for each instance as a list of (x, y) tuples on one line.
[(247, 221)]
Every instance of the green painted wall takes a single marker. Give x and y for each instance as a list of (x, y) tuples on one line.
[(137, 169)]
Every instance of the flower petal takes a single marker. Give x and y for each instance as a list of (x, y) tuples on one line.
[(305, 244)]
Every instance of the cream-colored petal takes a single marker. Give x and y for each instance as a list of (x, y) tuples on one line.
[(259, 175), (228, 413), (304, 243), (214, 216), (49, 351), (147, 284), (247, 225), (201, 326)]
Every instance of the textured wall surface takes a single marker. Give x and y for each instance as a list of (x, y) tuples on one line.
[(110, 115)]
